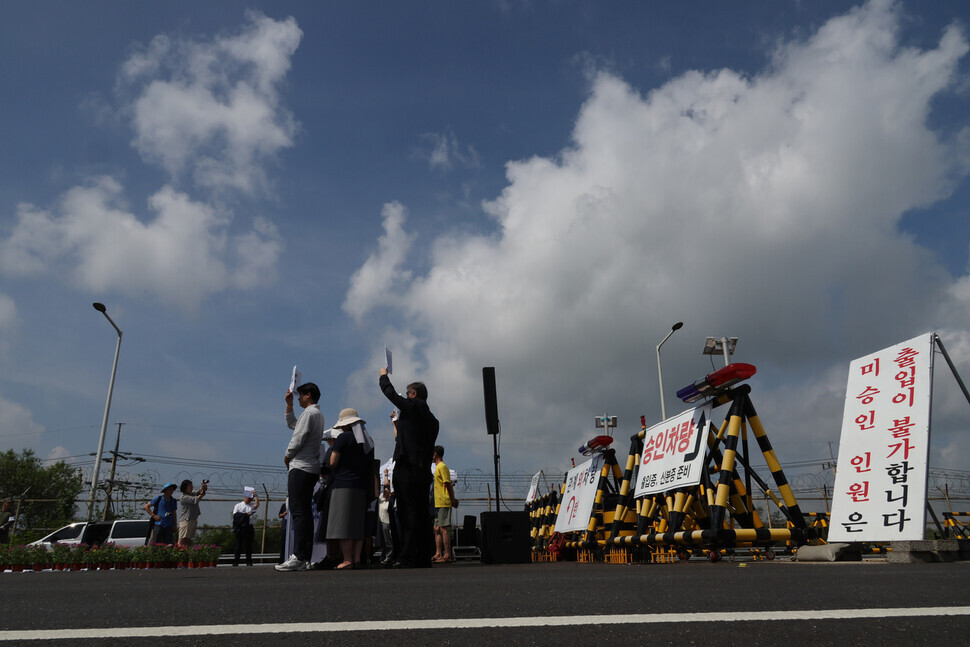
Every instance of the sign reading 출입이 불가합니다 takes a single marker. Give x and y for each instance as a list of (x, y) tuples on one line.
[(578, 496), (673, 452), (880, 480)]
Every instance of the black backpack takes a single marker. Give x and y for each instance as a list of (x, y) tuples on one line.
[(151, 521)]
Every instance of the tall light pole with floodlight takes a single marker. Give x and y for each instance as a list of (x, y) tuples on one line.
[(107, 408), (660, 374), (725, 345)]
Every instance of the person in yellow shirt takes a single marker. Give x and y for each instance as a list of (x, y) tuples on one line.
[(444, 501)]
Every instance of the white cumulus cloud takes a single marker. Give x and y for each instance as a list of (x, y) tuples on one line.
[(183, 253), (212, 108), (444, 152), (380, 278), (764, 206), (209, 109), (17, 425)]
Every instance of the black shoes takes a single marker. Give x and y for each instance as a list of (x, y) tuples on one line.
[(325, 564)]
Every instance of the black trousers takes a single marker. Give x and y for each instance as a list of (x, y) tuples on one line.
[(411, 487), (283, 554), (299, 488), (244, 543), (163, 535)]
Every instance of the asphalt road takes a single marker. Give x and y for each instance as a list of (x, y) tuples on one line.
[(728, 603)]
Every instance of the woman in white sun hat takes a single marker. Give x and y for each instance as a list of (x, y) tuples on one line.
[(353, 451)]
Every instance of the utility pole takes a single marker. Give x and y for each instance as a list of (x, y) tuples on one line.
[(16, 515), (111, 479)]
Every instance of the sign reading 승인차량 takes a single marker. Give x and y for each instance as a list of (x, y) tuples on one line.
[(673, 452), (880, 482)]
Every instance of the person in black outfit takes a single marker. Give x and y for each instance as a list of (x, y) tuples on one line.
[(417, 431), (283, 522), (6, 521), (242, 526)]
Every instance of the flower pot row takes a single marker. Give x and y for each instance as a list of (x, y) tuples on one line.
[(73, 557)]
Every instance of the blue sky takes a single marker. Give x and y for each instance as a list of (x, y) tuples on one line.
[(543, 187)]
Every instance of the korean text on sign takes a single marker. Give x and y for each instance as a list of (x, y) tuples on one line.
[(880, 485), (673, 452)]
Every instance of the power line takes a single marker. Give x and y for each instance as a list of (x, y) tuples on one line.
[(199, 462), (152, 427)]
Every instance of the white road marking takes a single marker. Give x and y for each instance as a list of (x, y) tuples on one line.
[(423, 624)]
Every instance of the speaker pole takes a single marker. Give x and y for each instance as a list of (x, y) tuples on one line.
[(491, 423), (498, 492)]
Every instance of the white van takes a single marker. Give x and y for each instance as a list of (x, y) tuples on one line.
[(122, 532)]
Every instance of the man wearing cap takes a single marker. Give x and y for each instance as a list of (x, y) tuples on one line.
[(242, 525), (302, 460), (163, 510), (417, 431)]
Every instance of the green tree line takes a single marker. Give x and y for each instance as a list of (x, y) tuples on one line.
[(59, 483)]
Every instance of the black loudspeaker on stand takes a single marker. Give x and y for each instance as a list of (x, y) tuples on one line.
[(505, 535), (505, 538), (491, 400)]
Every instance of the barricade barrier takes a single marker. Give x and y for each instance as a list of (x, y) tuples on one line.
[(954, 527), (713, 518)]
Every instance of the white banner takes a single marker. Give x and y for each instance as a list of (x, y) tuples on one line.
[(533, 487), (673, 452), (578, 497), (880, 481)]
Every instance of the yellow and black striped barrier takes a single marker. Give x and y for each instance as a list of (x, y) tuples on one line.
[(712, 518)]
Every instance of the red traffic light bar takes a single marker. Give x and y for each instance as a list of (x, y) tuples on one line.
[(717, 382), (596, 444)]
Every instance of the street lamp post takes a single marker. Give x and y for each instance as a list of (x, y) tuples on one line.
[(660, 374), (107, 408)]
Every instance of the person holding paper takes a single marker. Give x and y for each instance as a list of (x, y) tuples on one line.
[(417, 431), (189, 510), (302, 460), (384, 516), (242, 525)]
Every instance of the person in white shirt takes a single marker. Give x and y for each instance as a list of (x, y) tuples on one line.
[(302, 460), (242, 525)]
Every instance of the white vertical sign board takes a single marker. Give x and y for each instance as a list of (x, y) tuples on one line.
[(880, 482), (578, 496), (533, 487), (673, 452)]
